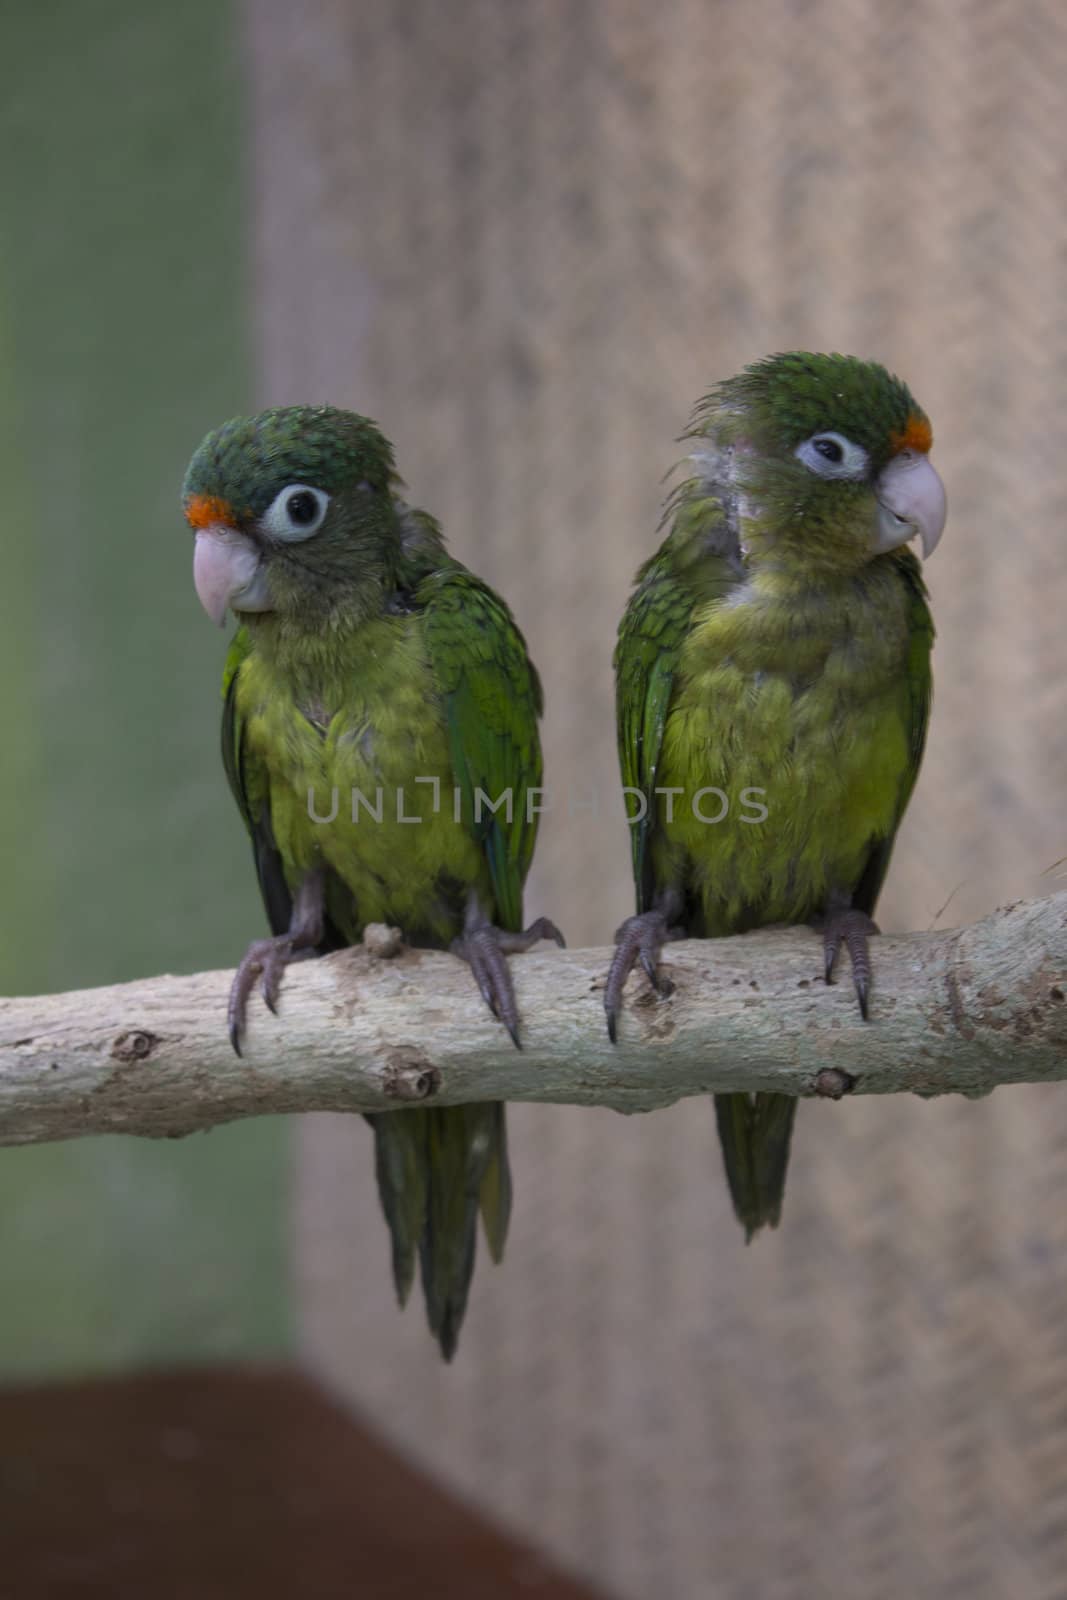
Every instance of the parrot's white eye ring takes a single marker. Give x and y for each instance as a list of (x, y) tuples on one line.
[(295, 513), (831, 455)]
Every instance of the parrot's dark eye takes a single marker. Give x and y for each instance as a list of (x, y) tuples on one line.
[(302, 508), (295, 513), (831, 455)]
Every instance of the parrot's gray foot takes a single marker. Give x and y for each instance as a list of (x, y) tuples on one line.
[(641, 939), (267, 959), (484, 946), (845, 926)]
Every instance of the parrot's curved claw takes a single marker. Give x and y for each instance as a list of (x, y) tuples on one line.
[(265, 959), (484, 946), (641, 939), (844, 926)]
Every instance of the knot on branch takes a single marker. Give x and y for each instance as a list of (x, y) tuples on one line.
[(409, 1075), (135, 1045), (833, 1084)]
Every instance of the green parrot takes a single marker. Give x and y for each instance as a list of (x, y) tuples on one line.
[(773, 688), (373, 680)]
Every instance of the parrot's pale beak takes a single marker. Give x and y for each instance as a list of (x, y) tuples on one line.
[(911, 501), (227, 571)]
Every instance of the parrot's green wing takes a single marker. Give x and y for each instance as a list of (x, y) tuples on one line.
[(670, 587), (914, 709), (249, 783), (651, 636), (493, 699)]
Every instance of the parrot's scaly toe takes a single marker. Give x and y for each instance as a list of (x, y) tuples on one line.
[(516, 943), (265, 959), (483, 947), (641, 939), (851, 929)]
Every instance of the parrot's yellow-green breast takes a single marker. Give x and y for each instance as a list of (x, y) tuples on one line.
[(369, 727), (809, 720)]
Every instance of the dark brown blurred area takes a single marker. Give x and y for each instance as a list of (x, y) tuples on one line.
[(219, 1485)]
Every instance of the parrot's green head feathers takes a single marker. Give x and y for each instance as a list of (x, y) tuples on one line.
[(826, 458), (294, 515), (789, 399)]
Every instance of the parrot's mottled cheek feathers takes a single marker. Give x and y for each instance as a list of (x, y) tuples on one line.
[(207, 510)]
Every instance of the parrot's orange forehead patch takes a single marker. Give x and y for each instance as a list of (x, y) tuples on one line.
[(917, 434), (202, 510)]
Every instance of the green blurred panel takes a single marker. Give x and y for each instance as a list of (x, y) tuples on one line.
[(123, 338)]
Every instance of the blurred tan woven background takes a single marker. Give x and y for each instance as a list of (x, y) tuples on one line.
[(526, 235)]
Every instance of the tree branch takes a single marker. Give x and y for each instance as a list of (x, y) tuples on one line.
[(954, 1012)]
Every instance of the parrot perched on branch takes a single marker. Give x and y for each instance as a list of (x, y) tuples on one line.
[(773, 688), (373, 680)]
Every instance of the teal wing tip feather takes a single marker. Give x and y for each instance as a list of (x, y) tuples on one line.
[(755, 1132), (437, 1168), (403, 1273), (447, 1332)]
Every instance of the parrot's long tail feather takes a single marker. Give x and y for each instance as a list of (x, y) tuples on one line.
[(755, 1131), (436, 1169)]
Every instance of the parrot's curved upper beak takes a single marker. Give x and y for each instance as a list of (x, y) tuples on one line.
[(228, 571), (911, 500)]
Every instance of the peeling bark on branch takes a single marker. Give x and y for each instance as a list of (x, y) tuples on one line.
[(954, 1012)]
